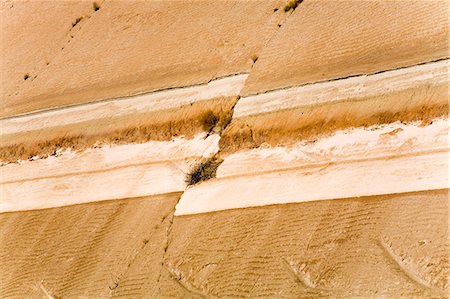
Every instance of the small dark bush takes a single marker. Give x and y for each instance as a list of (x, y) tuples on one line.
[(95, 6), (26, 76), (292, 4), (214, 122), (203, 171), (208, 120), (74, 23)]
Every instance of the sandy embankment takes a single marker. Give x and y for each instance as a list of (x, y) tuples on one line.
[(416, 93), (382, 246), (85, 250), (327, 40), (158, 116), (107, 173), (391, 246), (301, 216), (124, 48), (345, 165)]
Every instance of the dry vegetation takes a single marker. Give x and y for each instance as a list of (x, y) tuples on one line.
[(287, 126), (211, 121), (203, 170), (78, 20), (209, 116), (95, 6), (292, 4)]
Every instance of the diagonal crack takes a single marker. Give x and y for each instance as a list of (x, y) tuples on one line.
[(170, 217), (77, 23), (276, 31)]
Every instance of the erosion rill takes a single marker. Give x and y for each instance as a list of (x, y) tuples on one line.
[(270, 149)]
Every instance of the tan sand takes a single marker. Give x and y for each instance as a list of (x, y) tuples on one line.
[(325, 40), (380, 228), (389, 159), (117, 172), (417, 93), (390, 246), (138, 127), (126, 48), (85, 250)]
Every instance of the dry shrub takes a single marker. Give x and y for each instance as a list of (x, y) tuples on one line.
[(77, 20), (211, 121), (210, 116), (208, 120), (203, 170), (305, 123), (292, 4)]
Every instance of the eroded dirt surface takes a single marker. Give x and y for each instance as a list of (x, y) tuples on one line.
[(393, 246), (127, 48), (356, 38), (90, 250)]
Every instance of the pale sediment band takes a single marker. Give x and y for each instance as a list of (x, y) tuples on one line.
[(99, 174), (116, 108), (159, 116), (416, 93), (391, 159), (348, 89)]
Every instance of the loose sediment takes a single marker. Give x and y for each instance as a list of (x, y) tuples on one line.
[(156, 116), (412, 158), (107, 173), (416, 93)]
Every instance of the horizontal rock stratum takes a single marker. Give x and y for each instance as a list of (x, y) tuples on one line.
[(224, 149)]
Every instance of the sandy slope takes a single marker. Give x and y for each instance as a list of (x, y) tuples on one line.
[(84, 250), (127, 48), (124, 171), (325, 40), (414, 93), (131, 47), (298, 208), (31, 36), (390, 246), (389, 159)]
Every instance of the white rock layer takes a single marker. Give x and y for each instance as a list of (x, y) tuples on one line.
[(107, 173), (351, 89), (390, 159), (155, 101)]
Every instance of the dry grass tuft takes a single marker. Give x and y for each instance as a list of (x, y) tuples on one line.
[(211, 116), (203, 170), (95, 6), (286, 127), (208, 120), (292, 4), (78, 20), (214, 121)]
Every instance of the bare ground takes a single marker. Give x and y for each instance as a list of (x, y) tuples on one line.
[(392, 246)]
